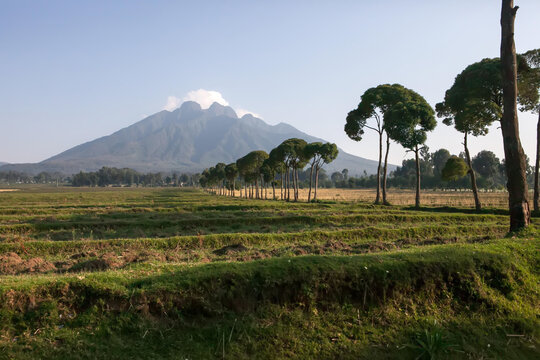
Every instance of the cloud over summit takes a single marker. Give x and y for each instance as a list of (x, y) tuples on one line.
[(205, 98)]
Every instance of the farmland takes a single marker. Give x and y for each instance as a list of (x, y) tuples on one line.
[(180, 273)]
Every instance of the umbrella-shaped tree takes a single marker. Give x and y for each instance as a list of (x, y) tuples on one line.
[(370, 115), (231, 172), (294, 157), (319, 154), (407, 123)]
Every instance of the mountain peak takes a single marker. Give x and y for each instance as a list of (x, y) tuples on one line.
[(189, 107), (216, 109), (188, 139)]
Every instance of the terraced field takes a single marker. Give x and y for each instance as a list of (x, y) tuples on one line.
[(169, 273)]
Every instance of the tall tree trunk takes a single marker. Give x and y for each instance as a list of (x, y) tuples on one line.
[(296, 195), (273, 190), (385, 171), (537, 164), (417, 198), (288, 183), (294, 183), (233, 187), (378, 197), (281, 185), (472, 174), (516, 170), (316, 183), (310, 179), (256, 188)]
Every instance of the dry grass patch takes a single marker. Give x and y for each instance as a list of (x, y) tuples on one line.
[(406, 197)]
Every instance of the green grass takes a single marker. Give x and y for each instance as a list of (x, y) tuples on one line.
[(326, 280)]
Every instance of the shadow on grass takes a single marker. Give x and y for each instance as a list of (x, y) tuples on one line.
[(450, 209)]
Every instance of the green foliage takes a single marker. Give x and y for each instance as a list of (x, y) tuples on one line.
[(320, 153), (375, 102), (487, 164), (290, 280), (231, 171), (249, 166), (529, 80), (439, 159), (409, 120), (294, 154), (431, 345), (454, 169), (474, 101)]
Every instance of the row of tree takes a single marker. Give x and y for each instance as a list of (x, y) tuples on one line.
[(471, 105), (398, 114), (438, 170), (258, 170), (490, 170)]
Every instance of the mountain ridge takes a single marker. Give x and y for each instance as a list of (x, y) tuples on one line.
[(187, 139)]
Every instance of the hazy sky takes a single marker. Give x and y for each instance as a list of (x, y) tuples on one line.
[(72, 71)]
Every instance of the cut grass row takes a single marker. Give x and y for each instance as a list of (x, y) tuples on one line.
[(215, 241), (304, 307), (179, 221)]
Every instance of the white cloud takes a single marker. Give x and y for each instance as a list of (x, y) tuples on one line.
[(242, 112), (172, 103), (205, 98)]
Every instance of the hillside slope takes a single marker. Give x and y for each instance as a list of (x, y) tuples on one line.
[(187, 139)]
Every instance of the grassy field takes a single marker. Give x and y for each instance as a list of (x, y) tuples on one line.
[(182, 274), (461, 198)]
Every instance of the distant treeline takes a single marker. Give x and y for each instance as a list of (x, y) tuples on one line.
[(490, 176), (16, 177), (107, 176), (491, 173)]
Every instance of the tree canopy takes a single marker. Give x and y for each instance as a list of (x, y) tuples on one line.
[(408, 121), (454, 169), (475, 99)]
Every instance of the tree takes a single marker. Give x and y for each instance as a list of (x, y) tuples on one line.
[(313, 152), (219, 177), (439, 159), (336, 177), (532, 58), (454, 169), (184, 178), (294, 156), (407, 123), (468, 117), (520, 215), (250, 167), (242, 165), (320, 154), (276, 160), (474, 102), (231, 172), (271, 166), (487, 164), (374, 104)]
